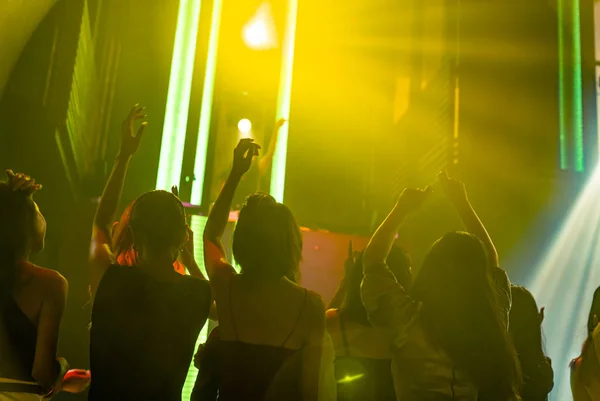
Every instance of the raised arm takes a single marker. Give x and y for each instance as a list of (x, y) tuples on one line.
[(265, 161), (387, 304), (340, 294), (457, 194), (214, 253), (100, 255)]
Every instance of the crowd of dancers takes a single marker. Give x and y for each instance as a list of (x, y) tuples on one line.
[(458, 331)]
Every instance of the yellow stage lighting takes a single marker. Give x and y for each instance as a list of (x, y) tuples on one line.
[(245, 126), (259, 33)]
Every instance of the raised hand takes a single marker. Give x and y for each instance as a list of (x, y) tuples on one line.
[(280, 123), (130, 141), (411, 199), (243, 155), (187, 252), (22, 182), (453, 189), (175, 190)]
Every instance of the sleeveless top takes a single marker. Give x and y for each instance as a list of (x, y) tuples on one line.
[(144, 333), (362, 378), (253, 372), (18, 352)]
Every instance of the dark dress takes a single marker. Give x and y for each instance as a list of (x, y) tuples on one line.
[(251, 372), (144, 333), (362, 378), (18, 338)]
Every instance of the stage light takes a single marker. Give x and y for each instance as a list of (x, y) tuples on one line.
[(284, 100), (565, 281), (259, 33), (178, 97), (244, 125)]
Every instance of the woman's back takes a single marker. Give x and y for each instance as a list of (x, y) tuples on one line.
[(144, 332), (264, 327)]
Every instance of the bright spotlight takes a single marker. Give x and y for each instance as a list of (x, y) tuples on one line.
[(259, 33), (244, 125)]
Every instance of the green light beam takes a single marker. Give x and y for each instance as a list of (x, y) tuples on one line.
[(207, 103), (284, 102), (578, 146), (178, 98)]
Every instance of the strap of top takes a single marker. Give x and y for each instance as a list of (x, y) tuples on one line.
[(231, 311), (343, 333), (298, 319)]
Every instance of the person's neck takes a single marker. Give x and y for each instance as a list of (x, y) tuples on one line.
[(162, 267)]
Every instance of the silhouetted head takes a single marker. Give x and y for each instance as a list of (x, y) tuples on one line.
[(158, 226), (594, 311), (525, 322), (461, 314), (352, 307), (267, 242), (525, 327), (22, 232)]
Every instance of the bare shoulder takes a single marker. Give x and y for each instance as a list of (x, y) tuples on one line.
[(315, 304), (50, 280)]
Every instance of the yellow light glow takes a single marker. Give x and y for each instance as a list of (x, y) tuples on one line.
[(260, 33), (245, 125)]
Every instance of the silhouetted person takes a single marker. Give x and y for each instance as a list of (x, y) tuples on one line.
[(363, 352), (146, 318), (525, 327), (32, 301), (585, 370), (449, 332), (271, 330)]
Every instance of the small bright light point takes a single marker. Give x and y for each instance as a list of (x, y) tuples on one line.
[(259, 33), (245, 126)]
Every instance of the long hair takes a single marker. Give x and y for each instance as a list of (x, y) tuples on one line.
[(589, 362), (267, 242), (526, 333), (461, 315), (17, 214), (352, 308)]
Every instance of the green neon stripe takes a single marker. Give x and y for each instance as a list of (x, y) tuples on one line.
[(284, 102), (178, 98), (564, 159), (207, 103), (197, 225), (577, 91)]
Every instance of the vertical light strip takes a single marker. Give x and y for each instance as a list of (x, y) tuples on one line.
[(178, 98), (284, 101), (197, 225), (564, 159), (207, 103), (578, 146)]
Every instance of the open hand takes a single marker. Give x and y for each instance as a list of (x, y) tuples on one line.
[(243, 155), (455, 190), (22, 182), (130, 142), (411, 199)]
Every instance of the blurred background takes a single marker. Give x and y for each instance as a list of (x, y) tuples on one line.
[(379, 94)]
